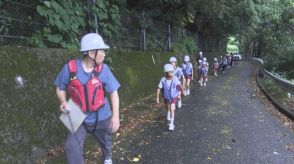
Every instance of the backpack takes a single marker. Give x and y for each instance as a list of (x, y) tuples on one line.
[(203, 70), (187, 70), (171, 92)]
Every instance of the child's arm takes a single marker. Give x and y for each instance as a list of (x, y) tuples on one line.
[(114, 98), (192, 77), (157, 95)]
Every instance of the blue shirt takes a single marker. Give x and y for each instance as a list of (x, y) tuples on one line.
[(110, 85)]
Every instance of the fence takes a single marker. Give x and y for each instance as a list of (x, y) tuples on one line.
[(285, 84), (19, 20), (282, 83)]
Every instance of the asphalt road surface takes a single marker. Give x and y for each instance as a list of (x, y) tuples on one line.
[(224, 122)]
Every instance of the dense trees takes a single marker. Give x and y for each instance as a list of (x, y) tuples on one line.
[(271, 36), (263, 28)]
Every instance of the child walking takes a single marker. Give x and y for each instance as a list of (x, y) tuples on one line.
[(170, 87), (203, 73), (199, 66), (178, 72), (215, 67), (188, 73)]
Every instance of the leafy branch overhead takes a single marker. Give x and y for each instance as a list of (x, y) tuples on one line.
[(263, 28), (67, 20)]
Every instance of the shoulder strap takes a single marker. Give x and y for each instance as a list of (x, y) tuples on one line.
[(72, 66), (98, 69)]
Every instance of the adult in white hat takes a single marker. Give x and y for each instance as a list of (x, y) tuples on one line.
[(87, 80)]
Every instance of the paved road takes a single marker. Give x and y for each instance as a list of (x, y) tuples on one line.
[(220, 123)]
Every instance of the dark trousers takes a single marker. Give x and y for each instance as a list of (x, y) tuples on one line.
[(74, 144), (224, 67)]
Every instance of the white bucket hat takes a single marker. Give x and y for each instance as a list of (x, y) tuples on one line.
[(168, 68), (172, 59), (186, 58)]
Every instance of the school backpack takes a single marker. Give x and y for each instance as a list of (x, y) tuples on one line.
[(187, 69)]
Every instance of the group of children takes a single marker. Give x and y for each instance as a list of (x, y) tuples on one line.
[(173, 85), (176, 82)]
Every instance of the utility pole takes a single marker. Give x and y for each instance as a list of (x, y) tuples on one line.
[(144, 39), (92, 17), (169, 39), (95, 19)]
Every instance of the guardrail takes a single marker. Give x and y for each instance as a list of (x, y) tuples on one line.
[(285, 84)]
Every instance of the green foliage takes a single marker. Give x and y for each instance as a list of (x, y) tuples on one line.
[(271, 36), (5, 22), (108, 17), (232, 45), (186, 45), (155, 43), (66, 22), (132, 76)]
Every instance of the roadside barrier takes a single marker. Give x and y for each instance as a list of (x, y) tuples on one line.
[(284, 84)]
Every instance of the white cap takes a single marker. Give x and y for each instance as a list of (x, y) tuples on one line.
[(92, 41), (204, 59), (168, 68), (215, 59), (186, 58), (172, 59)]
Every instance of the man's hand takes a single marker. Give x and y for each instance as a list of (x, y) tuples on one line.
[(62, 107), (114, 124), (61, 95)]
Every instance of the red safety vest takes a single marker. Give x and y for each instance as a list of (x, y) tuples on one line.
[(89, 96)]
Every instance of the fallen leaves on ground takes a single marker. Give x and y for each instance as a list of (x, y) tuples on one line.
[(131, 118)]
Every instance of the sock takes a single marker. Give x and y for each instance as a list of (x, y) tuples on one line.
[(168, 115), (172, 120)]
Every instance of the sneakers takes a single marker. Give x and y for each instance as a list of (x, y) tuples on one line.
[(171, 127), (204, 84), (179, 103), (107, 161), (185, 92)]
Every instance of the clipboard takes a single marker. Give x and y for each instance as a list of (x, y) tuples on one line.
[(73, 119)]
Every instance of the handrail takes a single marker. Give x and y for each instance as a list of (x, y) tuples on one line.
[(285, 84)]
